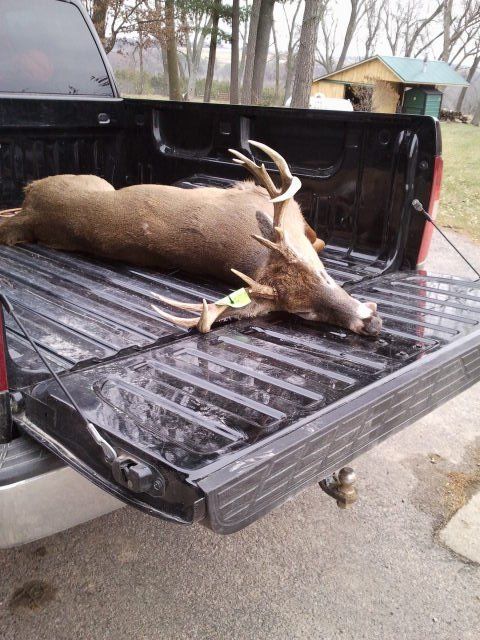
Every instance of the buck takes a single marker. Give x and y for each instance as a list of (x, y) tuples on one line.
[(255, 234)]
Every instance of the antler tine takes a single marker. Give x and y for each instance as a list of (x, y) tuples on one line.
[(290, 184), (280, 202), (259, 172), (209, 314), (261, 290), (187, 306), (188, 323), (279, 160)]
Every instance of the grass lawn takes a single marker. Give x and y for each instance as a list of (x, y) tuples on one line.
[(460, 196)]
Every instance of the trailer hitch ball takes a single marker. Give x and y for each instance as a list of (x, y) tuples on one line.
[(341, 487)]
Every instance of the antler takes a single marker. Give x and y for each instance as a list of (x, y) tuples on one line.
[(290, 184), (255, 288), (209, 313)]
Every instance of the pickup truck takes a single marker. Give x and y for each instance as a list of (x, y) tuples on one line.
[(216, 429)]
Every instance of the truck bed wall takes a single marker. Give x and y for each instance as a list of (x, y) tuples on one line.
[(359, 171)]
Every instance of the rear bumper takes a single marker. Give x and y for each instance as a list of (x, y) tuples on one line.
[(46, 502)]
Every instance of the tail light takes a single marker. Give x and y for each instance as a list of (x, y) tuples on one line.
[(432, 209)]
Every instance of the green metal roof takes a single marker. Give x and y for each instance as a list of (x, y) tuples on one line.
[(417, 71), (412, 71)]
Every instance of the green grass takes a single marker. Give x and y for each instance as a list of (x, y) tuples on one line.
[(460, 196)]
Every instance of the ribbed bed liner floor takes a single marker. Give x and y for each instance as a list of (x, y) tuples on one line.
[(191, 398)]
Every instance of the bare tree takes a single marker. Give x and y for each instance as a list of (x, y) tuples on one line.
[(357, 12), (197, 26), (406, 26), (373, 14), (265, 23), (244, 35), (212, 50), (414, 29), (293, 39), (171, 49), (325, 54), (276, 98), (144, 41), (306, 53), (234, 96), (116, 14), (471, 74), (392, 22), (476, 116), (447, 28), (250, 53), (461, 27)]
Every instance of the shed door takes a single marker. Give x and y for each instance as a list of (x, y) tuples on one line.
[(432, 105), (414, 102)]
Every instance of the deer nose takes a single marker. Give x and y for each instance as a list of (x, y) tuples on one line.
[(372, 326)]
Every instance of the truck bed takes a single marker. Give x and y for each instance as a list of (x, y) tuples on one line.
[(237, 420)]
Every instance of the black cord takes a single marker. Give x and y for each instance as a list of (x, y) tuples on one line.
[(417, 205), (106, 446), (9, 309)]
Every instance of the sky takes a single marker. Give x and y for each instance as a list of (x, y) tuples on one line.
[(341, 10)]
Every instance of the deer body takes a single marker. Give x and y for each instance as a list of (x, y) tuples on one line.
[(206, 230), (254, 233)]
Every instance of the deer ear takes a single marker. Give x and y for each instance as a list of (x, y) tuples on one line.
[(372, 306)]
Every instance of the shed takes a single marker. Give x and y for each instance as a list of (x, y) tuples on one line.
[(388, 81), (424, 102)]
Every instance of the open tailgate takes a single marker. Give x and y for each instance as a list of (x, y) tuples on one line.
[(221, 428)]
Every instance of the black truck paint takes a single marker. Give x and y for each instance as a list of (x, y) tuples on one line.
[(222, 428)]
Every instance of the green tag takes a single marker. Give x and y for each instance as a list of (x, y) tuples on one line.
[(237, 299)]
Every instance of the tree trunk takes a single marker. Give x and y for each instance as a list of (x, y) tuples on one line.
[(140, 61), (212, 52), (196, 59), (181, 70), (244, 53), (265, 22), (476, 116), (306, 54), (447, 28), (99, 17), (250, 55), (174, 91), (291, 60), (234, 97), (291, 56), (163, 47), (349, 33), (276, 99), (471, 73)]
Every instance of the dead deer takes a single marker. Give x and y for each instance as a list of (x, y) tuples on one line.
[(256, 234)]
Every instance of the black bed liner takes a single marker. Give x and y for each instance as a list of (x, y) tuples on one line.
[(238, 420)]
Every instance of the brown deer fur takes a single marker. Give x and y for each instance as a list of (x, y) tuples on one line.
[(205, 230)]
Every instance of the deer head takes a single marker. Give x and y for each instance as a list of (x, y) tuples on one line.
[(293, 279)]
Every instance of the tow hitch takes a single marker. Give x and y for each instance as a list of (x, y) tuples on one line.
[(341, 487)]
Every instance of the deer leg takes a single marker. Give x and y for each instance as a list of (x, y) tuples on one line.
[(16, 229), (318, 244)]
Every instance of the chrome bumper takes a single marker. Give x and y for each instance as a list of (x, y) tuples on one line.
[(45, 504)]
